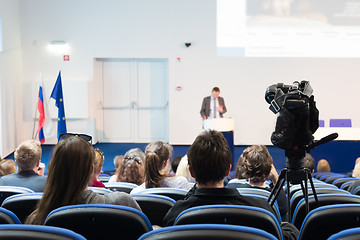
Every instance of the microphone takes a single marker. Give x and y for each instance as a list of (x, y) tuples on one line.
[(326, 139)]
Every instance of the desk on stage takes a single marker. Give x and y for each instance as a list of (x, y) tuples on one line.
[(226, 126)]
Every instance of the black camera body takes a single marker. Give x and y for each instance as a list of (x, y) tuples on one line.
[(297, 120)]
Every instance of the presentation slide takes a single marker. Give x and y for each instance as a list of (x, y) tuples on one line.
[(288, 28)]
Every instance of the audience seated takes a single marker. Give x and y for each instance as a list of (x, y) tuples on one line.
[(157, 168), (256, 165), (70, 170), (99, 161), (131, 167), (7, 166), (117, 160), (309, 163), (183, 169), (210, 161), (175, 163), (323, 166), (27, 158)]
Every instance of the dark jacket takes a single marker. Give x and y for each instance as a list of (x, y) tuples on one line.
[(205, 108)]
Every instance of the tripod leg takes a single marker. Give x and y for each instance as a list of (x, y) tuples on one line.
[(277, 188), (312, 186), (288, 197)]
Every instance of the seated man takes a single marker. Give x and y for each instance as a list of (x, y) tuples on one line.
[(209, 162), (27, 159)]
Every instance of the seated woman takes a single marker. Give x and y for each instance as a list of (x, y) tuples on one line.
[(99, 161), (256, 165), (70, 170), (131, 167), (157, 168)]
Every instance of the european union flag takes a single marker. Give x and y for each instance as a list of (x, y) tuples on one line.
[(57, 94)]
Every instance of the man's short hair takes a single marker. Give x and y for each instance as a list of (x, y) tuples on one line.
[(309, 162), (216, 89), (28, 154), (209, 157)]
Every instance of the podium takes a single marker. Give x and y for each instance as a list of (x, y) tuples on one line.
[(226, 126)]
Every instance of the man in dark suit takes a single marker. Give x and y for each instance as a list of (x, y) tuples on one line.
[(27, 158), (213, 106)]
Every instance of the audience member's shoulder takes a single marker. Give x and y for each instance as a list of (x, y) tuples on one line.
[(90, 197), (121, 198)]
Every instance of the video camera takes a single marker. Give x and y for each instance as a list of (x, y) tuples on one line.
[(298, 119)]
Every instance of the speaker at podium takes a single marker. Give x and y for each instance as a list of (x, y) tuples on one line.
[(226, 126)]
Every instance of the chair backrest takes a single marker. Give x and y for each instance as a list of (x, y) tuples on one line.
[(101, 221), (154, 206), (7, 191), (40, 232), (297, 187), (8, 217), (275, 206), (120, 186), (324, 221), (104, 179), (331, 179), (354, 185), (174, 193), (338, 182), (207, 232), (100, 190), (348, 234), (231, 214), (295, 199), (22, 205), (255, 191), (318, 175), (345, 186), (324, 200)]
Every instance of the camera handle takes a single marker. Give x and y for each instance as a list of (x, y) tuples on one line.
[(294, 177)]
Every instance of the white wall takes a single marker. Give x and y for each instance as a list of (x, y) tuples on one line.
[(159, 29)]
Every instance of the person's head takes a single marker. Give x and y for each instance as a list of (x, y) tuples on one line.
[(7, 166), (323, 166), (70, 169), (239, 171), (357, 160), (117, 160), (28, 155), (256, 164), (215, 92), (209, 158), (309, 163), (131, 168), (99, 161), (157, 166), (175, 163), (356, 171)]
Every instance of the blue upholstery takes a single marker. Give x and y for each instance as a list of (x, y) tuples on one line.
[(120, 186), (348, 234), (255, 191), (7, 191), (324, 199), (207, 232), (324, 221), (22, 231), (154, 206), (338, 182), (174, 193), (231, 214), (22, 205), (8, 217), (100, 221)]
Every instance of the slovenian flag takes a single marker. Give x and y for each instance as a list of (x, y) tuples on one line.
[(41, 110), (57, 94)]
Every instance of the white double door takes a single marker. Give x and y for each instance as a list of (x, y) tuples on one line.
[(134, 100)]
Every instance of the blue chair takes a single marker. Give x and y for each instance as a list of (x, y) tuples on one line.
[(39, 232), (348, 234), (254, 191), (324, 221), (100, 190), (7, 191), (174, 193), (120, 186), (324, 200), (345, 186), (8, 217), (207, 232), (100, 221), (104, 178), (154, 206), (338, 182), (231, 214), (22, 205), (297, 187)]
